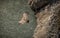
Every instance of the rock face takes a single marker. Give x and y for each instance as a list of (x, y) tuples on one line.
[(48, 21), (36, 5)]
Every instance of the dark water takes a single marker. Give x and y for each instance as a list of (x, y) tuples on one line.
[(10, 13)]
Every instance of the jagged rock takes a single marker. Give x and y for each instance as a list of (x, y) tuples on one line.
[(36, 5), (48, 22)]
